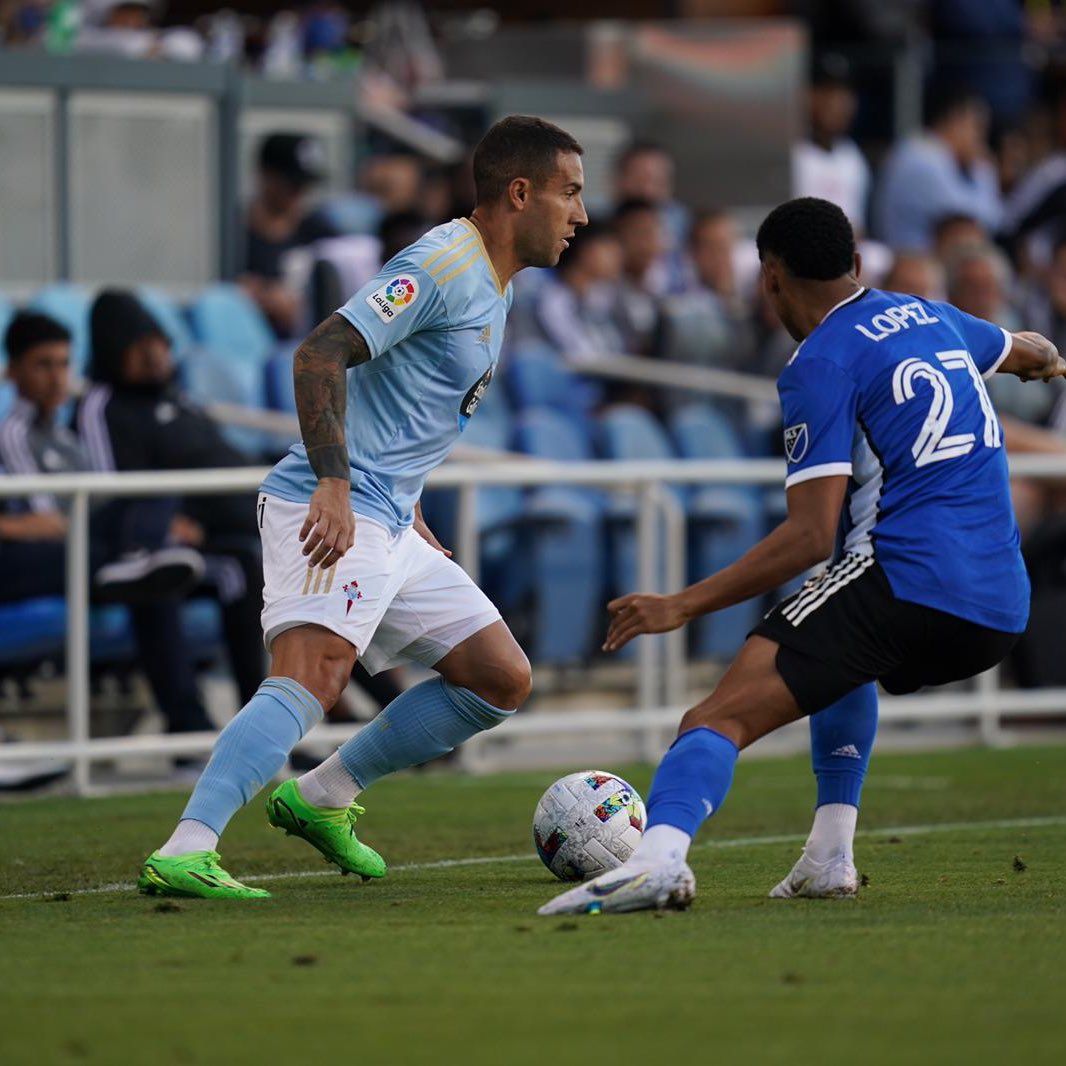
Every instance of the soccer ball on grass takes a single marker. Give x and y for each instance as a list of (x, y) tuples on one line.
[(587, 823)]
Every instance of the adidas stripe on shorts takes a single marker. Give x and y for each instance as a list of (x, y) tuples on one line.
[(845, 627)]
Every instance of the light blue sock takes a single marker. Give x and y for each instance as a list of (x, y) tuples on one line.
[(423, 723), (842, 738), (692, 780), (252, 749)]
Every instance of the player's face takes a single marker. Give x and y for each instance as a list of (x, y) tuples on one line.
[(776, 290), (42, 375), (553, 213)]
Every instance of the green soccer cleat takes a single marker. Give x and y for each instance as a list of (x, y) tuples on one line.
[(329, 829), (195, 875)]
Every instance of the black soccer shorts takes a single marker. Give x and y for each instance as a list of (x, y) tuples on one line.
[(845, 628)]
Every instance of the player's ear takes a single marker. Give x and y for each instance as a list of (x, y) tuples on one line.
[(518, 192)]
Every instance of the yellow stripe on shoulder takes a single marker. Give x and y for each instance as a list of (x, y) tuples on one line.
[(464, 266), (464, 236), (463, 249)]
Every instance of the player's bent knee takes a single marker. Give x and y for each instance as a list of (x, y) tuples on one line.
[(505, 683)]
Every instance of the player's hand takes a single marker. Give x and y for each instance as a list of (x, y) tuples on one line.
[(329, 529), (641, 613), (427, 534), (1054, 365)]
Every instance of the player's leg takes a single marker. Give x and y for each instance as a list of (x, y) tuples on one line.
[(310, 666), (691, 784), (439, 618), (842, 738)]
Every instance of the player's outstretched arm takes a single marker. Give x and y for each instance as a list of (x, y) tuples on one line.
[(1033, 357), (803, 540), (321, 397)]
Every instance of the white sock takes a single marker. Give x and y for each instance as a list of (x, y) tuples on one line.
[(190, 835), (833, 832), (329, 784), (660, 844)]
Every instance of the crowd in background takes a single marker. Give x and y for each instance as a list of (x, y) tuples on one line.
[(969, 209)]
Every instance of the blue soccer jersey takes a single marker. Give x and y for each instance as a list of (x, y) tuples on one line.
[(889, 390), (433, 319)]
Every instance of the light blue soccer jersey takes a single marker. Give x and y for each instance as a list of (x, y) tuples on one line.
[(433, 319), (889, 390)]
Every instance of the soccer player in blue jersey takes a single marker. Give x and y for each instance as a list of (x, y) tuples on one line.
[(384, 387), (892, 443)]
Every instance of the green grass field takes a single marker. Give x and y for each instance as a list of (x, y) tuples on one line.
[(955, 952)]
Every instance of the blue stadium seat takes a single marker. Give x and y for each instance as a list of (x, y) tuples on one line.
[(7, 311), (225, 319), (724, 521), (280, 389), (211, 377), (564, 526), (629, 432), (536, 377), (70, 305), (171, 317)]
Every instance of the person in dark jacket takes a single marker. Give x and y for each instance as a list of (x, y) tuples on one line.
[(129, 559), (134, 417)]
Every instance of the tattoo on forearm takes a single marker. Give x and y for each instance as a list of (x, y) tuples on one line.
[(321, 392)]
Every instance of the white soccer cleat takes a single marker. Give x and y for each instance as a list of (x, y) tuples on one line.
[(671, 886), (835, 879)]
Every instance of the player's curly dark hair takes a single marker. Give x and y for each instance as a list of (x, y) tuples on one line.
[(812, 237), (519, 146)]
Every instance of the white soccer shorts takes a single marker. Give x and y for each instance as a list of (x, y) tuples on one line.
[(392, 596)]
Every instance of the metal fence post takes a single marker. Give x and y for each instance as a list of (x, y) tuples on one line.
[(78, 638), (468, 541), (990, 728), (676, 643), (649, 648)]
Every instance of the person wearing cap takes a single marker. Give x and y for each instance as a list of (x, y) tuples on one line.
[(828, 164), (134, 417), (277, 220)]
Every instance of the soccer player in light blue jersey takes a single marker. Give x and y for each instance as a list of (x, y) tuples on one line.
[(384, 387), (895, 454)]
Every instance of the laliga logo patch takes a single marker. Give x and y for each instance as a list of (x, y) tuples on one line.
[(797, 440), (394, 297)]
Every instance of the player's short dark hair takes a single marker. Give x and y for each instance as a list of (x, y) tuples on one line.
[(30, 328), (635, 206), (812, 237), (519, 146)]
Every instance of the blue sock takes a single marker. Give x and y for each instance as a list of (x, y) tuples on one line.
[(423, 723), (842, 737), (692, 780), (252, 749)]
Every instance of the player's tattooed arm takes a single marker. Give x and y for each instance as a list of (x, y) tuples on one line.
[(321, 392), (1033, 358), (321, 395)]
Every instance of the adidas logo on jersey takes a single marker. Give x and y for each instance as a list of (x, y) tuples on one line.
[(847, 751)]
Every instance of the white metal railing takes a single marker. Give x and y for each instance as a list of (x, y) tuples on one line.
[(661, 660)]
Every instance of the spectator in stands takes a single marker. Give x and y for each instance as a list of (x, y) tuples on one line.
[(710, 324), (829, 164), (944, 170), (575, 311), (277, 221), (917, 275), (639, 226), (134, 418), (953, 232), (646, 171), (128, 559), (130, 28)]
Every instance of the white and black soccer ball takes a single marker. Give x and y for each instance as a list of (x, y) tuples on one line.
[(587, 823)]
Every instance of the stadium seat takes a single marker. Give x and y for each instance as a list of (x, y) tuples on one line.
[(564, 525), (7, 311), (724, 521), (70, 305), (171, 317), (211, 377), (226, 320), (537, 377)]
